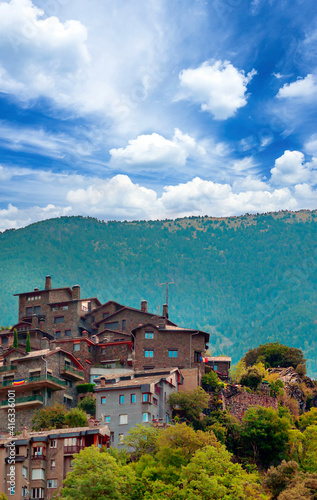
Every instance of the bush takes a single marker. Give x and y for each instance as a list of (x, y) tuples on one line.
[(83, 388), (76, 418), (252, 378), (88, 404)]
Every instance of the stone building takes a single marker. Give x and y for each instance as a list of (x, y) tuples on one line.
[(39, 378), (42, 459)]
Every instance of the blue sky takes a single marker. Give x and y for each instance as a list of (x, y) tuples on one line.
[(156, 109)]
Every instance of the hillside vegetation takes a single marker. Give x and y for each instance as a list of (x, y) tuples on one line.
[(247, 280)]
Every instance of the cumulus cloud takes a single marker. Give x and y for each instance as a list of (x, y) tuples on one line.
[(40, 56), (290, 169), (154, 149), (303, 87), (15, 218), (219, 88), (311, 145)]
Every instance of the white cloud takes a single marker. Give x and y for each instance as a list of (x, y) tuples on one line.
[(311, 145), (290, 169), (40, 56), (154, 149), (15, 218), (220, 88), (303, 87)]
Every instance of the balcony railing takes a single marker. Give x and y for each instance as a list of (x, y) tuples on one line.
[(7, 368), (25, 399), (70, 450), (72, 372), (39, 378), (38, 457)]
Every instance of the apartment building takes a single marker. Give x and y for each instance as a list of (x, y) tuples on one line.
[(138, 398), (42, 459)]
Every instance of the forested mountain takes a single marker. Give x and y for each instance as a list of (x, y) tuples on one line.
[(246, 280)]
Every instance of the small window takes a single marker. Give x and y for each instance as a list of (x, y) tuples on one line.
[(155, 401), (149, 335), (107, 419), (121, 399), (148, 354), (68, 333), (123, 419), (124, 324), (58, 334), (52, 483), (145, 398), (172, 354), (53, 464), (76, 347), (29, 311), (24, 491), (121, 438), (37, 310), (59, 319), (103, 400), (145, 417), (53, 443), (112, 326), (133, 398), (37, 493), (4, 340), (64, 308), (67, 399), (197, 356), (25, 472), (69, 383)]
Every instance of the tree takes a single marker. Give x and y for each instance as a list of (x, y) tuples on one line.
[(190, 404), (15, 339), (52, 417), (88, 404), (97, 475), (309, 418), (76, 418), (252, 378), (275, 355), (142, 439), (28, 343), (3, 496), (278, 479), (265, 435), (211, 381)]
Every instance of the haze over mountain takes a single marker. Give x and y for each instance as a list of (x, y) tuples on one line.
[(247, 280)]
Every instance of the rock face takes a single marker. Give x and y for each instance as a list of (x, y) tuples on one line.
[(292, 382)]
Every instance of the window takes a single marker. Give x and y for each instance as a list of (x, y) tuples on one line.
[(112, 437), (52, 464), (68, 333), (133, 398), (37, 473), (24, 491), (37, 310), (25, 472), (103, 400), (107, 419), (67, 399), (37, 493), (121, 399), (124, 324), (197, 355), (53, 443), (71, 441), (145, 397), (29, 311), (64, 308), (69, 383), (148, 354), (58, 334), (145, 417), (123, 419), (52, 483), (172, 354), (113, 326), (38, 451), (54, 308), (76, 347), (149, 335), (121, 438), (4, 340), (59, 319), (155, 401)]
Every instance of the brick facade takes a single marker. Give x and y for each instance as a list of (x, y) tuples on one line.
[(239, 403)]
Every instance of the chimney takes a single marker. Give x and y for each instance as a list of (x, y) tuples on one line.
[(24, 432), (144, 306), (48, 283), (45, 343), (102, 382), (36, 289), (161, 322), (165, 311), (85, 334), (76, 292)]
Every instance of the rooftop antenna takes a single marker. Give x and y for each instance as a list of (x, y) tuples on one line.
[(166, 285)]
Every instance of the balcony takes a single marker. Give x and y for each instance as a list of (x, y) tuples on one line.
[(70, 450), (35, 400), (7, 368), (72, 373), (36, 382), (37, 456)]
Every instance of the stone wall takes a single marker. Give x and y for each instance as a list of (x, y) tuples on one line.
[(239, 403)]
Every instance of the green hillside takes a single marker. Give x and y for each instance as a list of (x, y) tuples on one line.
[(247, 280)]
